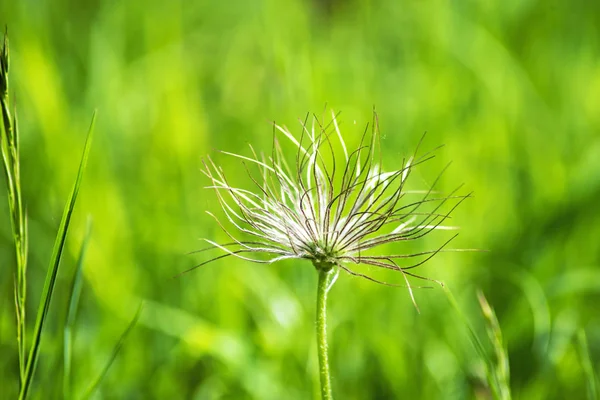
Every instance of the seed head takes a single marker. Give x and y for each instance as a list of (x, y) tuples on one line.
[(332, 209)]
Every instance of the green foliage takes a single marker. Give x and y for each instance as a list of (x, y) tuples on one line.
[(511, 88)]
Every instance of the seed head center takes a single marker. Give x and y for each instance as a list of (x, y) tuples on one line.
[(323, 258)]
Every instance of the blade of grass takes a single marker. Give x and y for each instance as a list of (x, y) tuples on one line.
[(90, 391), (52, 272), (501, 370), (76, 285), (587, 366), (488, 363)]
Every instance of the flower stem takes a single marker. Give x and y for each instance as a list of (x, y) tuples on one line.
[(325, 282)]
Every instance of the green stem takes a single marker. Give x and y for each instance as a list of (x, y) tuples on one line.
[(325, 282)]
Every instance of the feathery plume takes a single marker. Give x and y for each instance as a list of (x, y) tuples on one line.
[(331, 212)]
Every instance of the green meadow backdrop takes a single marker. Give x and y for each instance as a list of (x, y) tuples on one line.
[(511, 88)]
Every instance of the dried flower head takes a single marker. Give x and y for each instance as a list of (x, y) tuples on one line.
[(333, 213)]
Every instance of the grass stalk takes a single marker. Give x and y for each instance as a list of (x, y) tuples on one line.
[(10, 159)]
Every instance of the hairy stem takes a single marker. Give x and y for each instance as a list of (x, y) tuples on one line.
[(326, 279)]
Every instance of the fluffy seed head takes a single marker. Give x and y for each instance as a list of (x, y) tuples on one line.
[(329, 205)]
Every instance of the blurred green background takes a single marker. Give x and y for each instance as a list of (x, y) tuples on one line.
[(512, 88)]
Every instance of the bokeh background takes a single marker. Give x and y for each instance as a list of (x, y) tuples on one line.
[(512, 88)]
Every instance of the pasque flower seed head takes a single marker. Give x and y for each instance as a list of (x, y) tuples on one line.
[(334, 207)]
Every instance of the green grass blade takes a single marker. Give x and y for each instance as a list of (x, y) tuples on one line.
[(76, 285), (477, 343), (90, 391), (501, 370), (587, 366), (52, 272)]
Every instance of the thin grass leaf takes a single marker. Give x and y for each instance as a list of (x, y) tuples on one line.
[(74, 295), (501, 370), (586, 365), (94, 386), (477, 343), (52, 272)]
